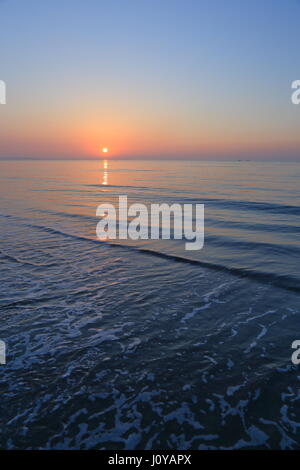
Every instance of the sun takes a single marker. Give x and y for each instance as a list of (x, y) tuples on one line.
[(105, 150)]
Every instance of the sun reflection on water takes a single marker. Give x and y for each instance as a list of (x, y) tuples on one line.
[(105, 172)]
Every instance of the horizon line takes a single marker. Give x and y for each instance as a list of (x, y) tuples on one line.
[(101, 158)]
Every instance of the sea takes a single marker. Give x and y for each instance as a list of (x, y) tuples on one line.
[(142, 344)]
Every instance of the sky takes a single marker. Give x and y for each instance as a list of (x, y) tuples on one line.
[(207, 79)]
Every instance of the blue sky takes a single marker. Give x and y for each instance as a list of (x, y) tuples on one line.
[(149, 78)]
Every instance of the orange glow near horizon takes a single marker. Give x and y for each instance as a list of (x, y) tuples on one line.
[(137, 136)]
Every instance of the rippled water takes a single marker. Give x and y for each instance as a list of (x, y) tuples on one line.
[(148, 345)]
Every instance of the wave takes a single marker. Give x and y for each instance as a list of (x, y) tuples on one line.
[(209, 220), (220, 240), (6, 256), (229, 203), (282, 281), (271, 207)]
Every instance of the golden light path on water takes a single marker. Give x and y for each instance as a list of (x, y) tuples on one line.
[(105, 172)]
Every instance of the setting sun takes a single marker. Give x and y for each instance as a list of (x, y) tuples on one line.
[(105, 150)]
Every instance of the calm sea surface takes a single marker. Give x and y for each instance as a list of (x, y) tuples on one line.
[(142, 344)]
